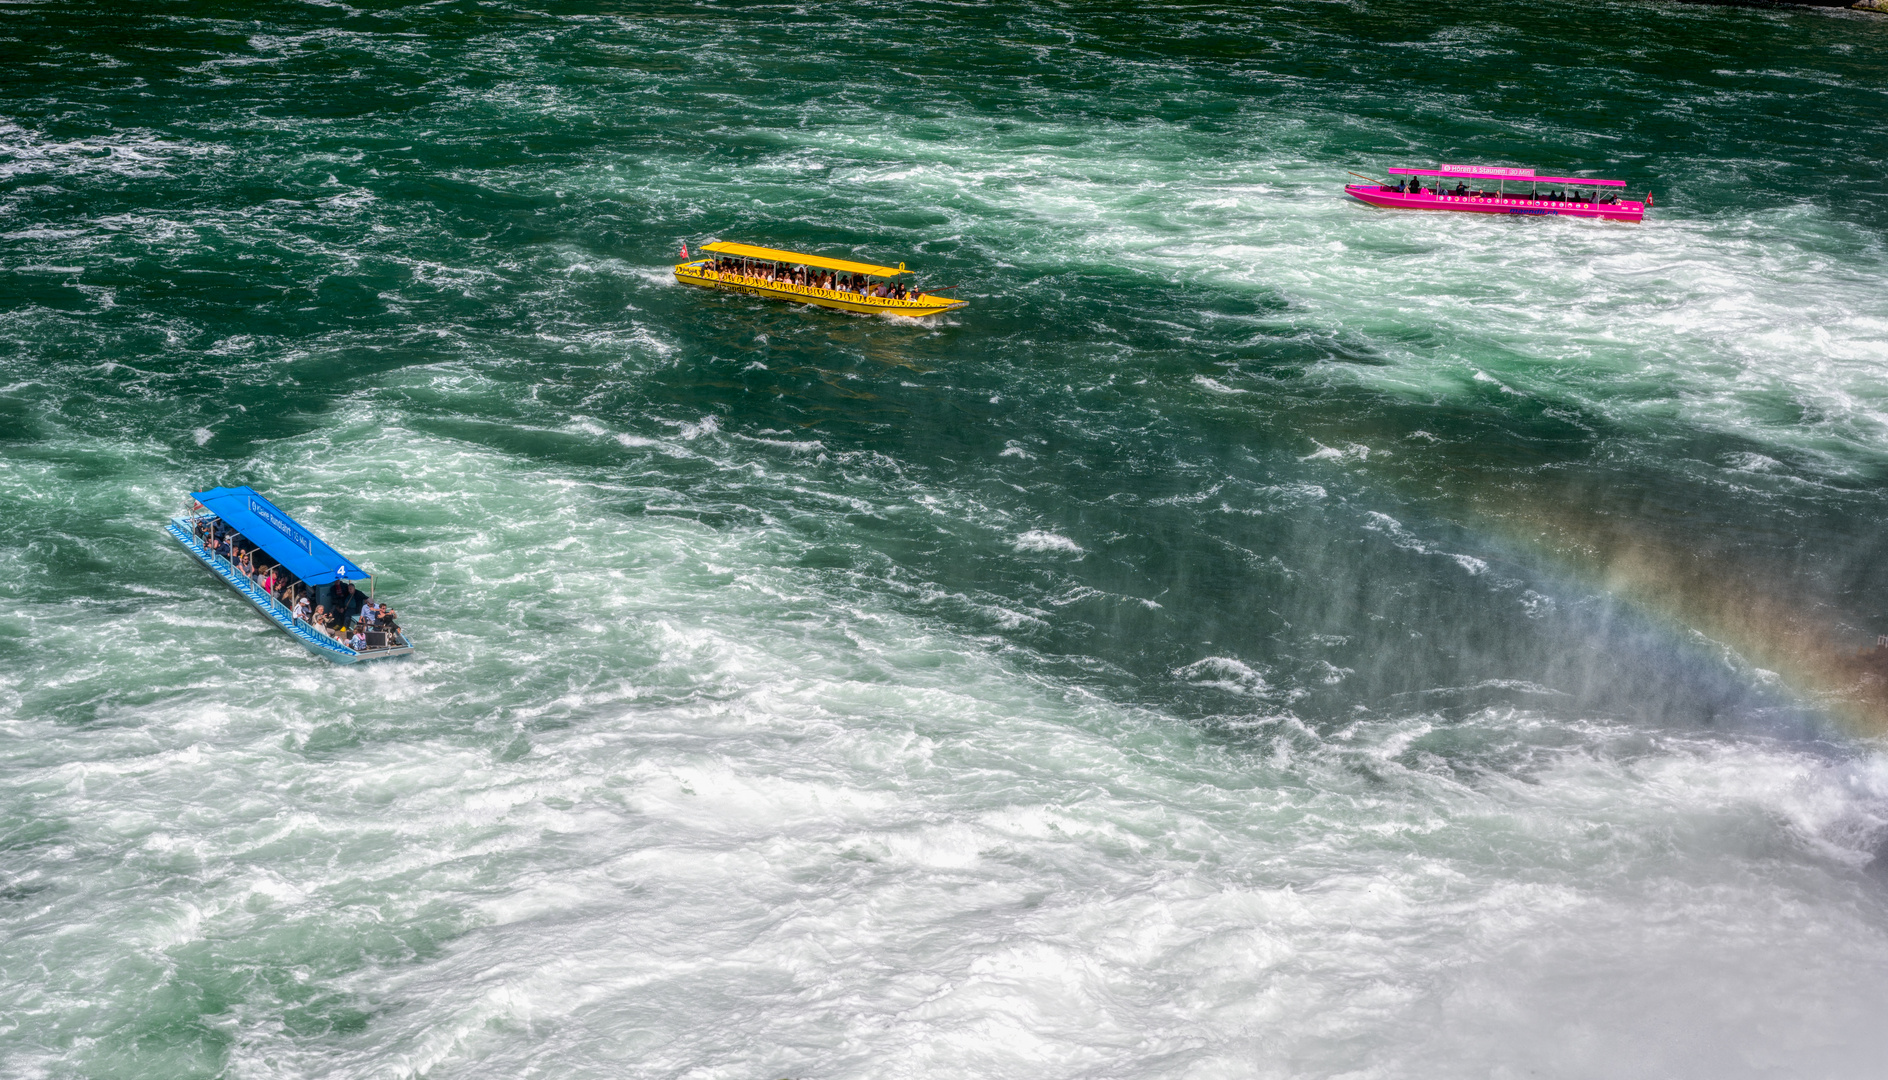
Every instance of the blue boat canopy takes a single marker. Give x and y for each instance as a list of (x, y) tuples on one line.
[(287, 542)]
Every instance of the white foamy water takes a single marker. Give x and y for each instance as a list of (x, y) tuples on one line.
[(715, 818), (1120, 678)]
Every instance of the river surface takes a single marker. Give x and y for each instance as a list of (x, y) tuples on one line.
[(1261, 636)]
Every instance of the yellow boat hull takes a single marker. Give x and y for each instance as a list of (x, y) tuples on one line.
[(697, 273)]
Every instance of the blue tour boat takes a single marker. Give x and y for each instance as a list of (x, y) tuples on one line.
[(289, 574)]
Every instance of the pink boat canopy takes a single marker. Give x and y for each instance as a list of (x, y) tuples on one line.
[(1488, 172)]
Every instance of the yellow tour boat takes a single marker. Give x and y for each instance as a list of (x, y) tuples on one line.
[(809, 279)]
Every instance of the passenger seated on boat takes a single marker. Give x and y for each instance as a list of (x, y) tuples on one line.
[(1460, 188), (300, 608), (359, 641)]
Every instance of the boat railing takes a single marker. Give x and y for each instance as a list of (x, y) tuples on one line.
[(274, 605), (810, 290)]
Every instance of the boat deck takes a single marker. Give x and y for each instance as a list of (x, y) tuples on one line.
[(182, 530), (698, 272)]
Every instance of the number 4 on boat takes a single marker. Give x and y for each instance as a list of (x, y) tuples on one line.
[(840, 284)]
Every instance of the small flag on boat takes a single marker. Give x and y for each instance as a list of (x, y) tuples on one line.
[(684, 251)]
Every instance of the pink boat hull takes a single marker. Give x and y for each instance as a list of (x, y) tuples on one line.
[(1509, 204)]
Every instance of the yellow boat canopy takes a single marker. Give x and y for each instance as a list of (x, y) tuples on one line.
[(749, 251)]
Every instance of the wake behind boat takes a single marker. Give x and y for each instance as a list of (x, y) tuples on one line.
[(840, 284), (288, 574), (1513, 191)]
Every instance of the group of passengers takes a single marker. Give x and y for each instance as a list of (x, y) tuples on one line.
[(348, 617), (814, 279)]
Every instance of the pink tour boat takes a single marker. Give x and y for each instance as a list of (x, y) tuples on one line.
[(1566, 196)]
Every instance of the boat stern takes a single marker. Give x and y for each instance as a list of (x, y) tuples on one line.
[(1376, 195)]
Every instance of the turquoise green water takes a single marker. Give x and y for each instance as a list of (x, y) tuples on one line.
[(1205, 655)]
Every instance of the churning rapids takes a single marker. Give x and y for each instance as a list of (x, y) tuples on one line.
[(1262, 636)]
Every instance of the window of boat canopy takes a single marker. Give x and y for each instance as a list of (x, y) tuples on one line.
[(795, 258), (264, 524)]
